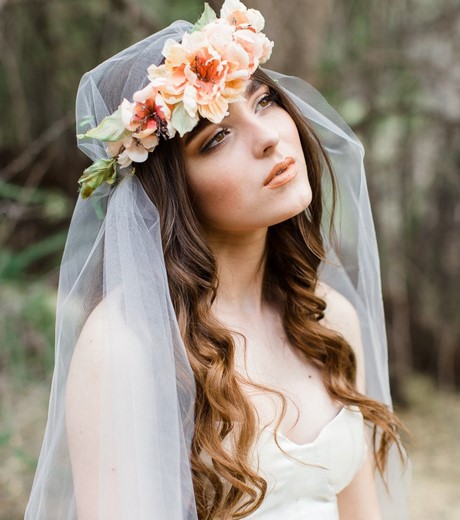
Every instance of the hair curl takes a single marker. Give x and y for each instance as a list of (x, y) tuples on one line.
[(226, 485)]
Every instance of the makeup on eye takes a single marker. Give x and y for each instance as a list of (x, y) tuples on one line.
[(261, 95), (269, 98), (215, 140), (263, 101)]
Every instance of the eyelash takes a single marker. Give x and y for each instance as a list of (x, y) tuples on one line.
[(213, 142), (271, 97)]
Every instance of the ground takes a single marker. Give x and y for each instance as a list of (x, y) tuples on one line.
[(434, 420)]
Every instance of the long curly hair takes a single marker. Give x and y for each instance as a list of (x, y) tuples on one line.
[(226, 485)]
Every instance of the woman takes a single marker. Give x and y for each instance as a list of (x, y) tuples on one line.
[(205, 365)]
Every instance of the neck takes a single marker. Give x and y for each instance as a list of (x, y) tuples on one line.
[(240, 265)]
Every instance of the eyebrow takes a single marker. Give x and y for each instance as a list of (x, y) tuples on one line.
[(252, 87), (202, 124)]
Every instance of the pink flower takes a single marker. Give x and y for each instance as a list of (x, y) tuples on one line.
[(206, 72), (237, 14), (130, 149), (147, 115), (221, 36), (257, 46), (201, 76), (136, 151), (146, 119)]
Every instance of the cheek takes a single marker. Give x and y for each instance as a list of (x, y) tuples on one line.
[(214, 195), (291, 130)]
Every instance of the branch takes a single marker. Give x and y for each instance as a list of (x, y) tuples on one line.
[(35, 148)]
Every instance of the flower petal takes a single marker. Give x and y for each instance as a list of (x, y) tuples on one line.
[(136, 152), (182, 121)]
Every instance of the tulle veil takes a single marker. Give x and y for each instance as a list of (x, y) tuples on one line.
[(146, 393)]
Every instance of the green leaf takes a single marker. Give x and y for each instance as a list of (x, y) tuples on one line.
[(103, 170), (208, 16), (182, 121), (110, 129)]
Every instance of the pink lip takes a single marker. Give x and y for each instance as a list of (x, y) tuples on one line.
[(281, 173)]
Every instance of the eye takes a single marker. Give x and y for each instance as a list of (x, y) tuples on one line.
[(216, 139), (267, 100)]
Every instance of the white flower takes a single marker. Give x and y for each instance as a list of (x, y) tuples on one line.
[(236, 13)]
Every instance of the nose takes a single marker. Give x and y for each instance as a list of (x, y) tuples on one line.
[(265, 136)]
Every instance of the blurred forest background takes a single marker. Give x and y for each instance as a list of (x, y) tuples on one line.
[(391, 68)]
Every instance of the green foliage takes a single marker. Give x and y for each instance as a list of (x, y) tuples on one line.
[(26, 330), (103, 170), (13, 265), (390, 68), (54, 206), (45, 47), (18, 257), (207, 17), (110, 129), (169, 11)]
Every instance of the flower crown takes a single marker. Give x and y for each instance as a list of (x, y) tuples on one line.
[(199, 78)]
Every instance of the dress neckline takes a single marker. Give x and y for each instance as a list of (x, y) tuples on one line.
[(321, 433)]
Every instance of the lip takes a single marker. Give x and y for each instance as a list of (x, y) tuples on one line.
[(281, 173)]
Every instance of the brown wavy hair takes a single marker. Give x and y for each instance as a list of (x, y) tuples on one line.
[(226, 485)]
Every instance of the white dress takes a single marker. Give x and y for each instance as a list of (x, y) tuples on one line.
[(304, 482)]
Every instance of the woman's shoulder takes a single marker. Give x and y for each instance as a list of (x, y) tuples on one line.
[(87, 355), (341, 316), (106, 344), (104, 326), (89, 348)]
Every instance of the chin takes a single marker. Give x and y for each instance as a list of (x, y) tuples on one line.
[(300, 196), (292, 211), (300, 202)]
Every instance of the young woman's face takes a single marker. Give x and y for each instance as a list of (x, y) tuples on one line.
[(249, 171)]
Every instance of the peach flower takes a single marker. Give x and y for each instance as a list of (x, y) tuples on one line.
[(130, 149), (257, 46), (196, 75), (136, 151), (148, 114), (237, 14), (200, 77)]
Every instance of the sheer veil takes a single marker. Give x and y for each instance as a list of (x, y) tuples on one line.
[(113, 272)]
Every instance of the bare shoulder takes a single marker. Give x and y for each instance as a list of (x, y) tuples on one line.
[(99, 339), (83, 406), (89, 349), (93, 350), (91, 368), (341, 317), (86, 419), (86, 370)]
